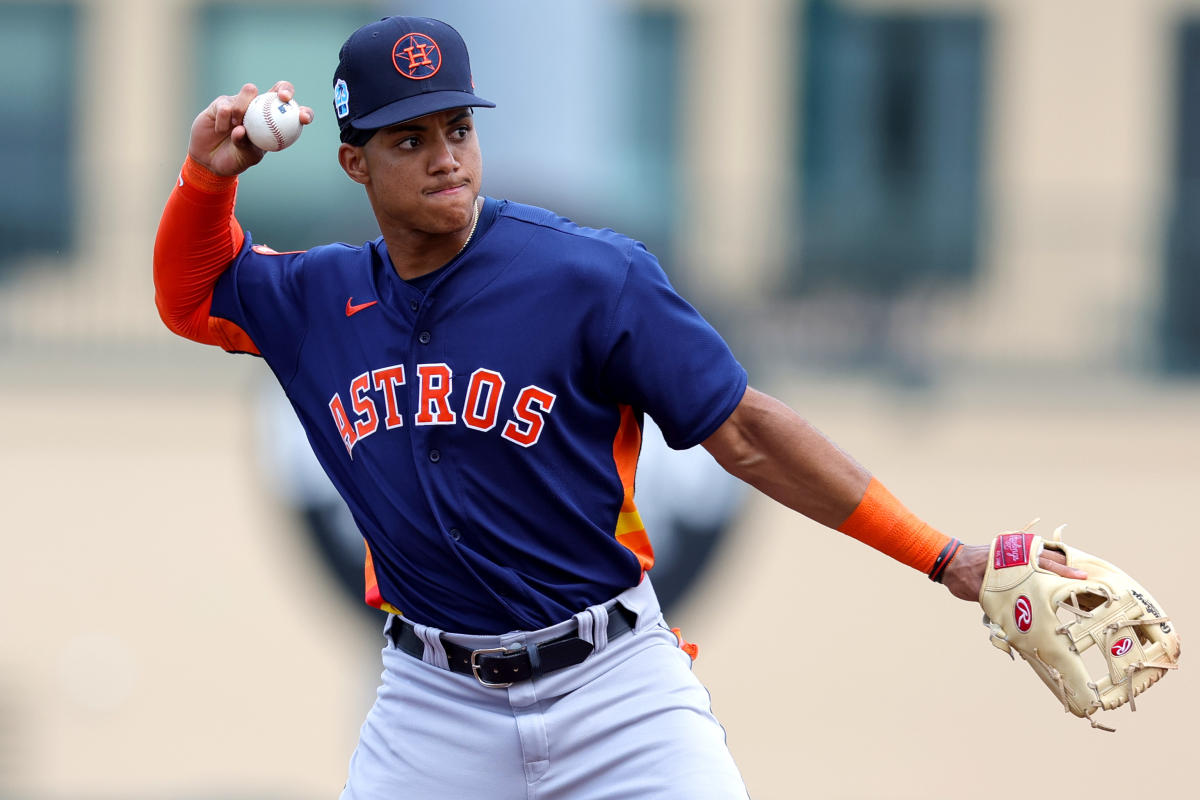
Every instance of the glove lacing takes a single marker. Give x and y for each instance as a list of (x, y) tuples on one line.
[(1080, 613), (1064, 691)]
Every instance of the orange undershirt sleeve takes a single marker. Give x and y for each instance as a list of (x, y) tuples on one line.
[(881, 521), (198, 238)]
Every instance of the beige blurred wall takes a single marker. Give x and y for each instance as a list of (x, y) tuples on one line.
[(164, 634), (1077, 139)]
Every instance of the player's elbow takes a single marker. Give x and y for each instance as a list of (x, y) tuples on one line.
[(174, 312), (176, 322), (733, 446), (182, 304), (183, 316)]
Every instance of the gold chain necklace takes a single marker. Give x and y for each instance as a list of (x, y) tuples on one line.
[(474, 222)]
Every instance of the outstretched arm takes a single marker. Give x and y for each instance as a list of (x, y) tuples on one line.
[(775, 450)]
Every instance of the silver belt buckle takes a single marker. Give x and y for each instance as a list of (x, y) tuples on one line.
[(475, 666)]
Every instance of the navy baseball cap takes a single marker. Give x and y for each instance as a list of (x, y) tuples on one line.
[(398, 69)]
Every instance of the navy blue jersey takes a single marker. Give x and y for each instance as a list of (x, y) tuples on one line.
[(483, 423)]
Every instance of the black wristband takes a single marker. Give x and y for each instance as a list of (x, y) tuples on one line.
[(944, 558)]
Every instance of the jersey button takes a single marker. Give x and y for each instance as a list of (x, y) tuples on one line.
[(424, 337), (454, 534), (435, 456), (414, 305)]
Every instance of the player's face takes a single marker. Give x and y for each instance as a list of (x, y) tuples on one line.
[(423, 175)]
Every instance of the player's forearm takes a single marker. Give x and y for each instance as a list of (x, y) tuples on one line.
[(198, 237), (772, 448)]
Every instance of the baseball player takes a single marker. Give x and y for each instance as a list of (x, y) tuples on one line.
[(474, 383)]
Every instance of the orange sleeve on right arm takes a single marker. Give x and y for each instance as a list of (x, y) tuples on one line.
[(198, 238), (881, 521)]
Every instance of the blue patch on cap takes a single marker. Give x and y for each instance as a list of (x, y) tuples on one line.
[(341, 99)]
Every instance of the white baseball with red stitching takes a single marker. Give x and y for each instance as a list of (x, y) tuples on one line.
[(271, 123)]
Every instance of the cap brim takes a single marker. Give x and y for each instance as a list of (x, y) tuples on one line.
[(419, 106)]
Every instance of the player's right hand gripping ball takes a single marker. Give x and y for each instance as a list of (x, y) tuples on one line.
[(1051, 621), (271, 123)]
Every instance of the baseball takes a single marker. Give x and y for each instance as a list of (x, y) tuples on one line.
[(271, 123)]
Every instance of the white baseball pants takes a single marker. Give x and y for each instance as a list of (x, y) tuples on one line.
[(631, 722)]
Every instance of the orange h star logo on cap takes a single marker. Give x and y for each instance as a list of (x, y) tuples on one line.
[(416, 56)]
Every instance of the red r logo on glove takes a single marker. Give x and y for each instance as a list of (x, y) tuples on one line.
[(1023, 614)]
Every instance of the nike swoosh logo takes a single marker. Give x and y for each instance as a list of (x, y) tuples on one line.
[(351, 309)]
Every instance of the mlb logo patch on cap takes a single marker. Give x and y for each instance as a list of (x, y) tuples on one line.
[(341, 99)]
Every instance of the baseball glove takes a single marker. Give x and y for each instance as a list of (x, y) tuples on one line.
[(1052, 621)]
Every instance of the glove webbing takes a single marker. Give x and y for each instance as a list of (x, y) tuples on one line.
[(1110, 630)]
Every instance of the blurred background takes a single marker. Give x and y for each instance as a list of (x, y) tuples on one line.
[(961, 236)]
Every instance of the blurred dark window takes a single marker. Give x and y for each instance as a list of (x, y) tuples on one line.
[(654, 207), (891, 148), (300, 197), (1180, 330), (38, 59)]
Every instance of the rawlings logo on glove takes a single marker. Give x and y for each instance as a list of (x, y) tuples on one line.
[(1051, 621)]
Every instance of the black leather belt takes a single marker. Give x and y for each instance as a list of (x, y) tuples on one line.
[(501, 667)]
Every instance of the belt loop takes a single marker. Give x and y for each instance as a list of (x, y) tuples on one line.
[(642, 602), (435, 651), (592, 627)]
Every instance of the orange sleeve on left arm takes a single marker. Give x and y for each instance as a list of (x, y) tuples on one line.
[(198, 238)]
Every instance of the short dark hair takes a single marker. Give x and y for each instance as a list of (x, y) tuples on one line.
[(356, 137)]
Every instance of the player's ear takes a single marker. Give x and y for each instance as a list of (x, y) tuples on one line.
[(354, 162)]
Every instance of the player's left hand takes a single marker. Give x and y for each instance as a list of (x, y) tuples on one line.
[(964, 576)]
